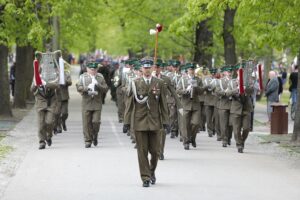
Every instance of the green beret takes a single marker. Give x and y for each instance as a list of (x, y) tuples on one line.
[(213, 70), (170, 62), (176, 63), (93, 65), (136, 65), (190, 66)]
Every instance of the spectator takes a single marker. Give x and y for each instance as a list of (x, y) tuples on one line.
[(12, 78), (283, 76), (271, 92), (293, 84)]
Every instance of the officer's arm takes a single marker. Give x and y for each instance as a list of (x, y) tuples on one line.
[(163, 105), (69, 80), (102, 87), (174, 94), (179, 89), (128, 109), (79, 85)]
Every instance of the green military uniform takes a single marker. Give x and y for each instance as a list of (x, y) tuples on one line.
[(119, 93), (224, 110), (149, 108), (45, 103), (62, 113), (92, 89), (240, 110), (216, 112), (209, 103), (172, 99), (189, 87)]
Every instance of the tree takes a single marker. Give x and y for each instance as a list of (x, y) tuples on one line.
[(4, 84)]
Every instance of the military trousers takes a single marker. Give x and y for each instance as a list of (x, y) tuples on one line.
[(120, 104), (192, 123), (163, 141), (210, 119), (148, 142), (203, 116), (241, 128), (57, 115), (45, 125), (173, 116), (225, 125), (217, 122), (91, 125)]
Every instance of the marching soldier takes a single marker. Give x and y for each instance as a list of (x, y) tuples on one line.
[(171, 97), (118, 84), (240, 110), (224, 107), (189, 87), (175, 119), (149, 108), (62, 113), (45, 98), (92, 87), (209, 103)]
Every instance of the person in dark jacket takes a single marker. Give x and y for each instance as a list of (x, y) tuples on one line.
[(293, 84)]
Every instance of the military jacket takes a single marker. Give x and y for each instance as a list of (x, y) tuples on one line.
[(63, 91), (91, 102), (150, 115), (172, 97), (225, 97), (190, 101), (45, 97)]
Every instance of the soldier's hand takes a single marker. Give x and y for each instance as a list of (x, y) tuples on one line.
[(126, 128), (167, 127)]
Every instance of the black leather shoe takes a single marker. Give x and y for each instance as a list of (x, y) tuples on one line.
[(186, 146), (240, 150), (172, 135), (120, 121), (210, 135), (95, 142), (153, 179), (194, 143), (42, 146), (59, 130), (88, 145), (49, 142), (64, 126), (161, 157), (224, 145), (55, 131), (229, 142), (146, 183)]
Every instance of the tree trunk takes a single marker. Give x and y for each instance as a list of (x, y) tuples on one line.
[(229, 41), (5, 108), (29, 72), (55, 38), (24, 75), (296, 131), (203, 43)]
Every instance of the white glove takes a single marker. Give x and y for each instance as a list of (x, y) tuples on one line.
[(43, 82), (180, 110), (189, 88)]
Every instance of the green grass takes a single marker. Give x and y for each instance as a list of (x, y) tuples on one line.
[(3, 148), (283, 141)]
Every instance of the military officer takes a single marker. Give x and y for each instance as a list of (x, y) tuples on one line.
[(175, 117), (45, 103), (149, 108), (209, 103), (189, 87), (224, 107), (171, 96), (240, 111), (92, 87), (62, 113)]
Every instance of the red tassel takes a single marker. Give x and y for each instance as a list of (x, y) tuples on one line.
[(241, 81), (37, 78), (159, 27), (260, 80)]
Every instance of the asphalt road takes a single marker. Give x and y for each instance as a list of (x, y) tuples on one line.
[(68, 171)]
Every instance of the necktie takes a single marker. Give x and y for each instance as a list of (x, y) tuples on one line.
[(148, 82)]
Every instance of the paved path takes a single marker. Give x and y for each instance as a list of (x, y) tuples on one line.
[(68, 171)]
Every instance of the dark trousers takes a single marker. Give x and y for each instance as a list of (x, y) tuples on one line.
[(148, 142)]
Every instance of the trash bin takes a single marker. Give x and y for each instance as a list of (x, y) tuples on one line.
[(279, 119)]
